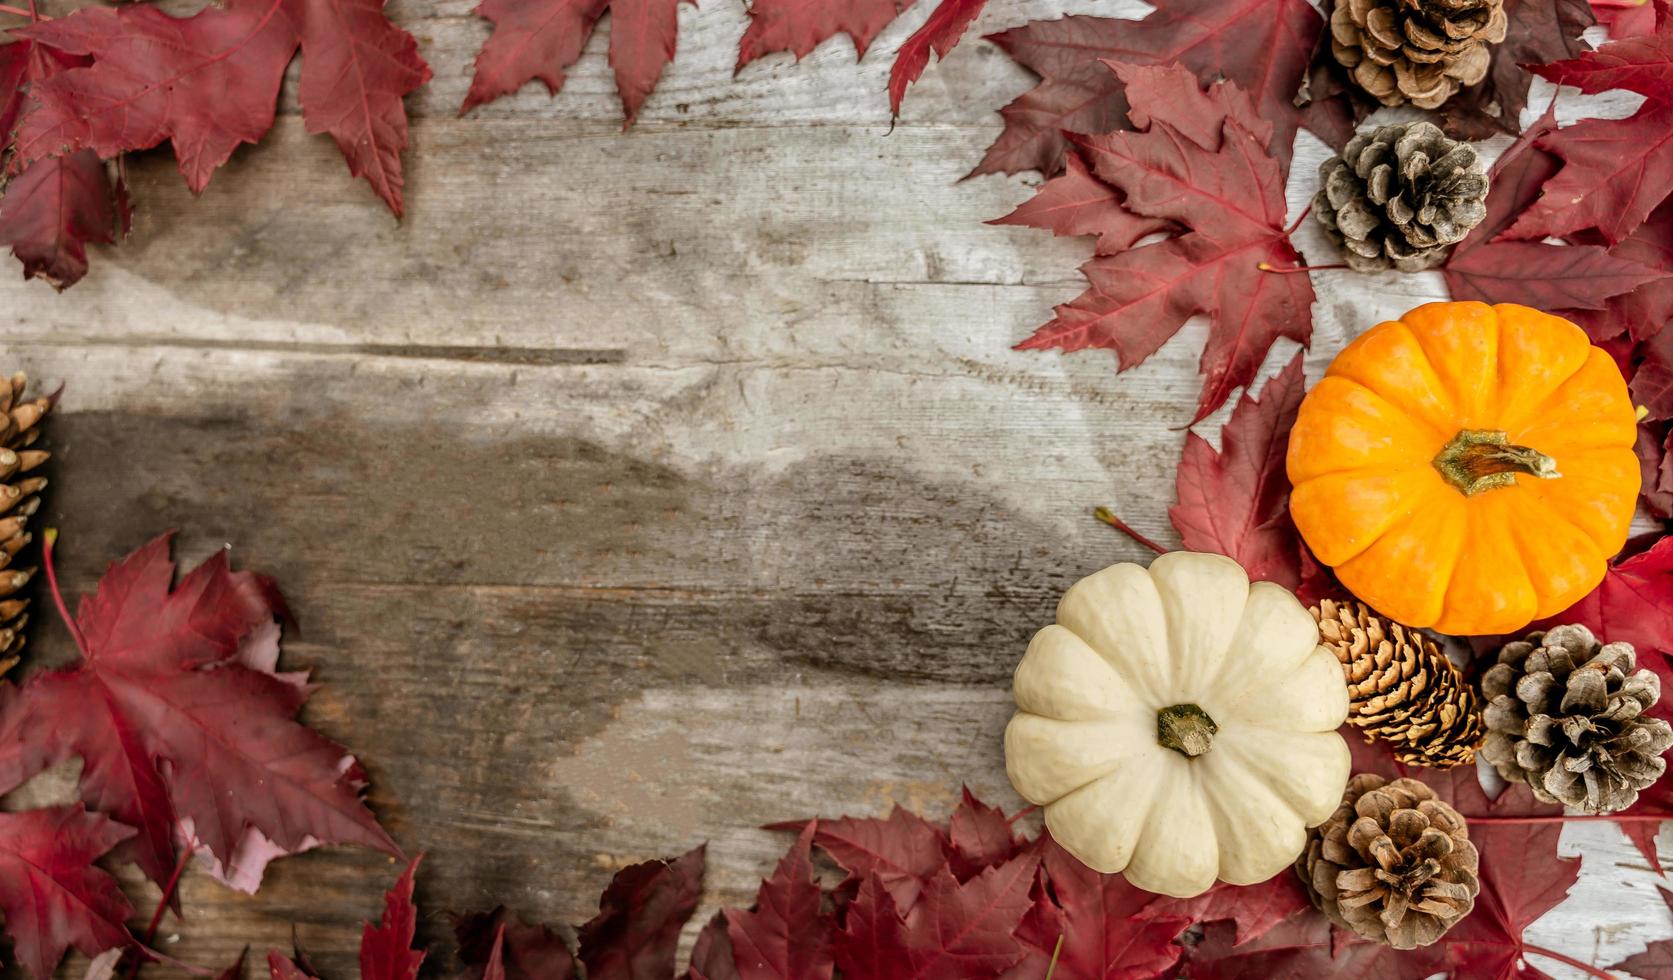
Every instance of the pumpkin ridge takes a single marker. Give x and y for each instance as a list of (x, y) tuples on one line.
[(1451, 366), (1512, 424), (1554, 516), (1454, 607), (1399, 519), (1447, 409), (1549, 603), (1607, 540), (1358, 585)]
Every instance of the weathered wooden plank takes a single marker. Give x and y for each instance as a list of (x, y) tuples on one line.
[(639, 488)]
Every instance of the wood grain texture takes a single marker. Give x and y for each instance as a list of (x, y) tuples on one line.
[(641, 488)]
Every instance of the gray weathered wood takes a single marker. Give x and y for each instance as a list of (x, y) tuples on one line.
[(641, 488)]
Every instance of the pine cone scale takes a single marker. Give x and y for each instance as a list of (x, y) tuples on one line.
[(1566, 716), (20, 482), (1393, 863), (1399, 196), (1416, 51), (1401, 688)]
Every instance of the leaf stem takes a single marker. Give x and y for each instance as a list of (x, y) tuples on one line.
[(1291, 229), (1574, 818), (1056, 951), (1025, 811), (1292, 270), (49, 540), (162, 905), (1108, 517), (1585, 968), (6, 8)]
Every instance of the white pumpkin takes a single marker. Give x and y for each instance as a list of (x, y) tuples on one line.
[(1179, 724)]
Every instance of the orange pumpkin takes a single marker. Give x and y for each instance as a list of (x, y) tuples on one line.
[(1467, 467)]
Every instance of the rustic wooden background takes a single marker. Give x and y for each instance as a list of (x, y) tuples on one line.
[(640, 488)]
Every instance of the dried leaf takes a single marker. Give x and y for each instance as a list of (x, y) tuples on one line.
[(1540, 31), (386, 951), (1201, 162), (637, 927), (527, 952), (1236, 502), (172, 727), (210, 81), (956, 930), (1263, 46), (1108, 928), (1077, 203), (1535, 273), (902, 851), (53, 208), (799, 26), (51, 893), (786, 936), (946, 24)]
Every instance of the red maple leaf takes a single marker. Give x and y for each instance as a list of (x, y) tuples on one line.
[(946, 24), (979, 837), (1540, 31), (281, 967), (1633, 604), (174, 726), (1639, 313), (1654, 469), (711, 954), (1076, 202), (386, 951), (1634, 20), (1107, 927), (527, 952), (1522, 875), (52, 895), (1615, 171), (1580, 276), (1254, 910), (799, 26), (900, 851), (786, 936), (540, 38), (639, 918), (1642, 64), (53, 208), (1235, 502), (962, 930), (1263, 46), (494, 969), (1652, 378), (1201, 161), (1304, 947), (210, 81)]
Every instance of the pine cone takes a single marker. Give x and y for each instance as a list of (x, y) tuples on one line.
[(1393, 863), (1566, 716), (1402, 689), (1399, 196), (19, 430), (1417, 51)]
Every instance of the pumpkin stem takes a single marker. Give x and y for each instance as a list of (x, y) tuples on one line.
[(1483, 459), (1186, 729)]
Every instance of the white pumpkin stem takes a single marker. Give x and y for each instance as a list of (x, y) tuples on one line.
[(1186, 729)]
